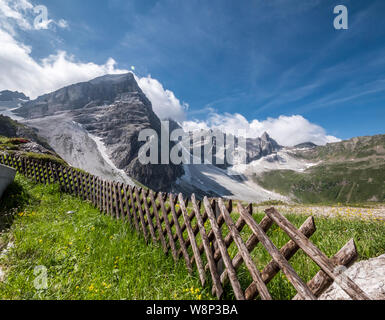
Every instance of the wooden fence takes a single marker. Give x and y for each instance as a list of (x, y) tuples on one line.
[(193, 230)]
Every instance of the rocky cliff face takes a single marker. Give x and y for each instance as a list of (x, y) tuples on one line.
[(256, 148), (95, 125), (7, 95)]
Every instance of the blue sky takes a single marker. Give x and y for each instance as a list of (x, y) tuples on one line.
[(258, 58)]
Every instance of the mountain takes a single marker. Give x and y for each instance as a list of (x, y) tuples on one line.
[(10, 100), (306, 145), (8, 95), (348, 171), (95, 126), (12, 129), (256, 148), (20, 140)]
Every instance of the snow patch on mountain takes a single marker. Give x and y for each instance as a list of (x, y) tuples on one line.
[(281, 160), (213, 181), (103, 151)]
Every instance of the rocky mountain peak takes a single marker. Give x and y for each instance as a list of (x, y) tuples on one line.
[(95, 126), (97, 92), (8, 95), (265, 136)]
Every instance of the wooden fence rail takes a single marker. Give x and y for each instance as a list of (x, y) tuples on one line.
[(193, 230)]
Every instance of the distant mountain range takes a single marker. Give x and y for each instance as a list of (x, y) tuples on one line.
[(348, 171), (95, 125)]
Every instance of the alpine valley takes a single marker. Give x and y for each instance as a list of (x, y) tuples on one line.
[(95, 126)]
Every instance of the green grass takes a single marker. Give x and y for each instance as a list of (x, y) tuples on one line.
[(91, 256), (346, 182), (331, 235), (87, 255)]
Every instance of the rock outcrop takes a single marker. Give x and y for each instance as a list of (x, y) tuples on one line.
[(368, 275)]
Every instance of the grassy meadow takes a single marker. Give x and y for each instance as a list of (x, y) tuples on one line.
[(91, 256)]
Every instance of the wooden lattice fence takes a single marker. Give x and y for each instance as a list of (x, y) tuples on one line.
[(193, 230)]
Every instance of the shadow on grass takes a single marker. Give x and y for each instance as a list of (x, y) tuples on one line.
[(14, 199)]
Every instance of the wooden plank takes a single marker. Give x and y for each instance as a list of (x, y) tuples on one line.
[(240, 224), (97, 192), (62, 183), (41, 172), (149, 217), (141, 215), (180, 235), (225, 255), (111, 198), (32, 163), (127, 205), (93, 191), (255, 274), (120, 199), (321, 282), (157, 219), (168, 227), (134, 211), (87, 187), (207, 249), (75, 189), (286, 268), (68, 180), (329, 267), (198, 259), (288, 251), (101, 194), (105, 198), (116, 200), (79, 179)]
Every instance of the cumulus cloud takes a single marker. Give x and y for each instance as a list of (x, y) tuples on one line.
[(164, 102), (19, 71), (23, 14), (286, 130)]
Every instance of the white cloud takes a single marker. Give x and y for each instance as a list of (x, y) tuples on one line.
[(164, 102), (286, 130), (19, 71), (21, 14), (63, 23)]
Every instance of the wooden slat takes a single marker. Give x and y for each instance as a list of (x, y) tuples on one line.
[(206, 245), (229, 239), (168, 227), (141, 215), (116, 200), (255, 274), (111, 201), (321, 282), (127, 206), (288, 251), (134, 211), (180, 235), (225, 255), (158, 223), (318, 256), (286, 268), (149, 217), (251, 243), (120, 199), (104, 196), (198, 259)]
